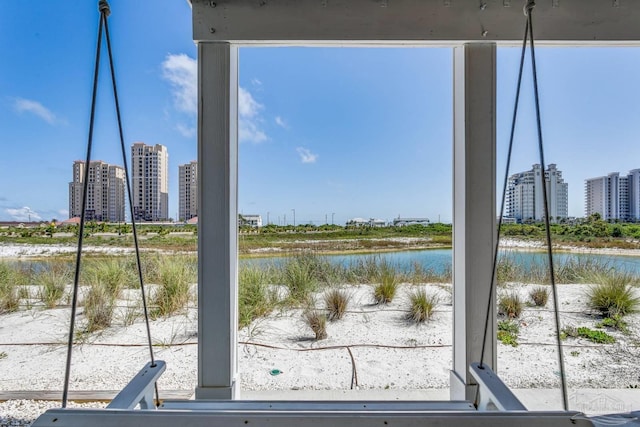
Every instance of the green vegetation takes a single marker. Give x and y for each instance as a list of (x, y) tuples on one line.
[(596, 336), (9, 299), (510, 305), (173, 292), (539, 296), (508, 331), (3, 355), (612, 293), (336, 301), (98, 307), (614, 322), (53, 279), (422, 305), (385, 290), (255, 298)]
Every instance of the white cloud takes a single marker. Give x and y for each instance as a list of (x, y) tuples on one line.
[(22, 105), (23, 214), (280, 122), (182, 72), (256, 82), (247, 106), (64, 213), (249, 118), (186, 131), (306, 155)]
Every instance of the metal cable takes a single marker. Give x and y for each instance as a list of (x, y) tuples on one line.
[(504, 196), (105, 6), (105, 11), (76, 279), (563, 380)]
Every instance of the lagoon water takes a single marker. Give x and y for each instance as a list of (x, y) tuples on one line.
[(440, 260)]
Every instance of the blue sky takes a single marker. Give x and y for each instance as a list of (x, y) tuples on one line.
[(344, 131)]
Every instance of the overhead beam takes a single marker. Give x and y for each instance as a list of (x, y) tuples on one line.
[(406, 21)]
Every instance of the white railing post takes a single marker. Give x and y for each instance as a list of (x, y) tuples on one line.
[(474, 209), (217, 220)]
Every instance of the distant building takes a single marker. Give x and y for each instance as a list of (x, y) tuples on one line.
[(188, 191), (614, 197), (105, 191), (361, 222), (525, 200), (401, 222), (250, 220), (150, 181)]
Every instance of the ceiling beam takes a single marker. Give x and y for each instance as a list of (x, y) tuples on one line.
[(414, 21)]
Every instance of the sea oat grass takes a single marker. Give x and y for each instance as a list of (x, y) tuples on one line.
[(422, 305), (255, 299), (9, 298), (385, 290), (52, 279), (539, 296), (336, 301), (175, 277), (612, 294), (510, 305), (317, 321), (99, 305)]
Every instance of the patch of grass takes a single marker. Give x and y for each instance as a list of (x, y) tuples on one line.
[(3, 355), (508, 331), (9, 299), (254, 297), (510, 305), (317, 322), (422, 305), (612, 294), (385, 290), (52, 280), (112, 273), (299, 275), (336, 301), (172, 295), (596, 336), (539, 296), (614, 322), (98, 308)]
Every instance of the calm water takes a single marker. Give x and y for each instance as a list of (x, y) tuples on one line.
[(439, 260)]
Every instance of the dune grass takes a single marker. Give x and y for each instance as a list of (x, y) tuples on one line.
[(385, 289), (255, 297), (9, 298), (510, 304), (422, 305), (612, 293), (176, 274), (53, 279), (336, 302)]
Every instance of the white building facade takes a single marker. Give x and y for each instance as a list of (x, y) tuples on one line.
[(105, 191), (150, 181), (188, 191), (525, 200), (614, 197)]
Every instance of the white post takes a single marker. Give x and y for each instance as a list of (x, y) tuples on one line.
[(217, 220), (474, 210)]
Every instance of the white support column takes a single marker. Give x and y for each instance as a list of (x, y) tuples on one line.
[(474, 209), (217, 220)]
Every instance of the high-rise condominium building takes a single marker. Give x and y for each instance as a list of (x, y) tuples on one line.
[(188, 181), (525, 200), (614, 197), (105, 191), (150, 181)]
